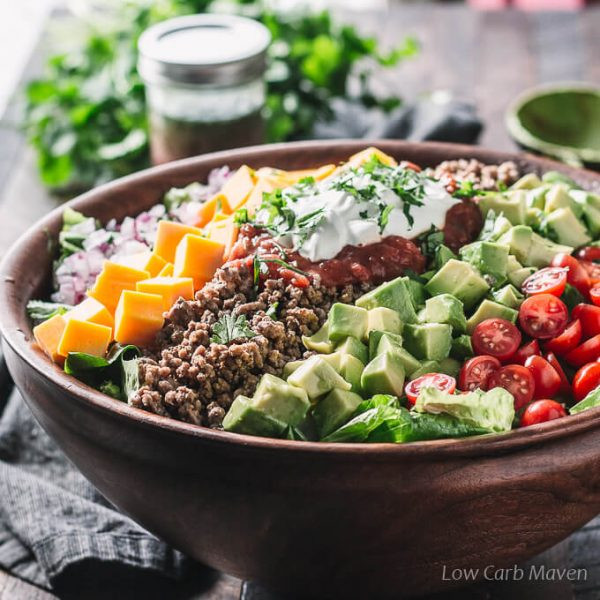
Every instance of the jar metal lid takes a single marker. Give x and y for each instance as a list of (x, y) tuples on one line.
[(203, 49)]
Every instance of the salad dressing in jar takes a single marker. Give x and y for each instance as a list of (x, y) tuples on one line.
[(205, 88)]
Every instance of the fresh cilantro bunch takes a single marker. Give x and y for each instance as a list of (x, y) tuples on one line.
[(87, 117), (229, 328)]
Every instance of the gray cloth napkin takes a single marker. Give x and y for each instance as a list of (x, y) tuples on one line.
[(56, 529)]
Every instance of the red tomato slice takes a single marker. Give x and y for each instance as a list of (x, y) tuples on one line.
[(591, 253), (476, 372), (551, 280), (543, 316), (589, 316), (525, 351), (586, 380), (589, 351), (516, 379), (442, 382), (541, 411), (496, 337), (565, 386), (577, 275), (547, 380), (591, 268), (567, 340), (595, 294)]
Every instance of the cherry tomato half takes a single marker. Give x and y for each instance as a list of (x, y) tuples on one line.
[(589, 351), (516, 379), (476, 372), (590, 253), (525, 351), (567, 340), (547, 380), (551, 280), (595, 294), (565, 386), (496, 337), (592, 269), (541, 411), (589, 316), (543, 316), (586, 380), (442, 382), (577, 275)]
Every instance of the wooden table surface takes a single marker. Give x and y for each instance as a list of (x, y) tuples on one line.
[(486, 58)]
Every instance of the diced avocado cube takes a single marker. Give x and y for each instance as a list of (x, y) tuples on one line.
[(535, 218), (495, 225), (556, 177), (393, 294), (461, 347), (458, 279), (520, 275), (351, 370), (242, 417), (526, 182), (445, 308), (388, 344), (567, 227), (384, 319), (512, 204), (429, 341), (518, 239), (429, 366), (375, 337), (442, 255), (384, 375), (543, 250), (487, 257), (347, 320), (489, 310), (355, 348), (334, 410), (591, 216), (319, 342), (427, 275), (281, 400), (558, 196), (334, 359), (290, 367), (317, 378), (536, 198), (590, 206), (416, 290), (509, 295), (512, 264), (449, 366)]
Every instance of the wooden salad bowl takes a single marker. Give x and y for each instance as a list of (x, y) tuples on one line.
[(307, 519)]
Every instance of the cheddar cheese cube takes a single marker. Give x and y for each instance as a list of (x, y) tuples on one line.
[(138, 318), (113, 279), (209, 209), (168, 236), (48, 334), (169, 288), (166, 271), (237, 189), (93, 311), (225, 232), (144, 261), (264, 185), (362, 157), (198, 258), (83, 336)]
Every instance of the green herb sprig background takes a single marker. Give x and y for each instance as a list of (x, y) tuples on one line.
[(86, 117)]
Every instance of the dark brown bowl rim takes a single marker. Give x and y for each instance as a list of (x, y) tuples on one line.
[(434, 449)]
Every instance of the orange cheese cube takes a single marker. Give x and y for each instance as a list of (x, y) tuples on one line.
[(263, 186), (292, 177), (225, 232), (138, 318), (198, 258), (169, 288), (113, 279), (360, 158), (144, 261), (83, 336), (168, 236), (48, 334), (166, 271), (208, 210), (93, 311), (237, 189)]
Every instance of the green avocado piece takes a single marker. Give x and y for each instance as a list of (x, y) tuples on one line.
[(429, 341), (535, 218), (375, 338), (442, 255), (347, 320), (384, 375), (518, 239), (590, 401), (494, 227), (393, 294), (450, 366), (429, 366), (416, 290), (520, 275), (319, 342), (558, 196), (527, 182), (543, 250), (493, 410), (383, 319), (291, 366), (317, 378), (512, 264), (334, 359), (590, 206), (242, 417), (512, 204), (567, 227), (280, 400), (351, 370), (490, 258), (334, 410), (536, 198), (489, 310), (556, 177), (461, 347), (509, 295), (388, 344), (458, 279), (355, 348), (445, 308)]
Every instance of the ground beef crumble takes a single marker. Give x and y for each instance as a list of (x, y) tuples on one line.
[(483, 177), (187, 377)]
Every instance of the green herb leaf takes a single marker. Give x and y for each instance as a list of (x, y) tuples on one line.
[(39, 310), (272, 311), (240, 217), (229, 328)]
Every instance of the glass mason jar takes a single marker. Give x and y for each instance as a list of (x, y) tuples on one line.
[(205, 87)]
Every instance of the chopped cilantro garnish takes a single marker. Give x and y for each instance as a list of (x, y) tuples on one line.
[(229, 328), (384, 217), (241, 216), (272, 311)]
